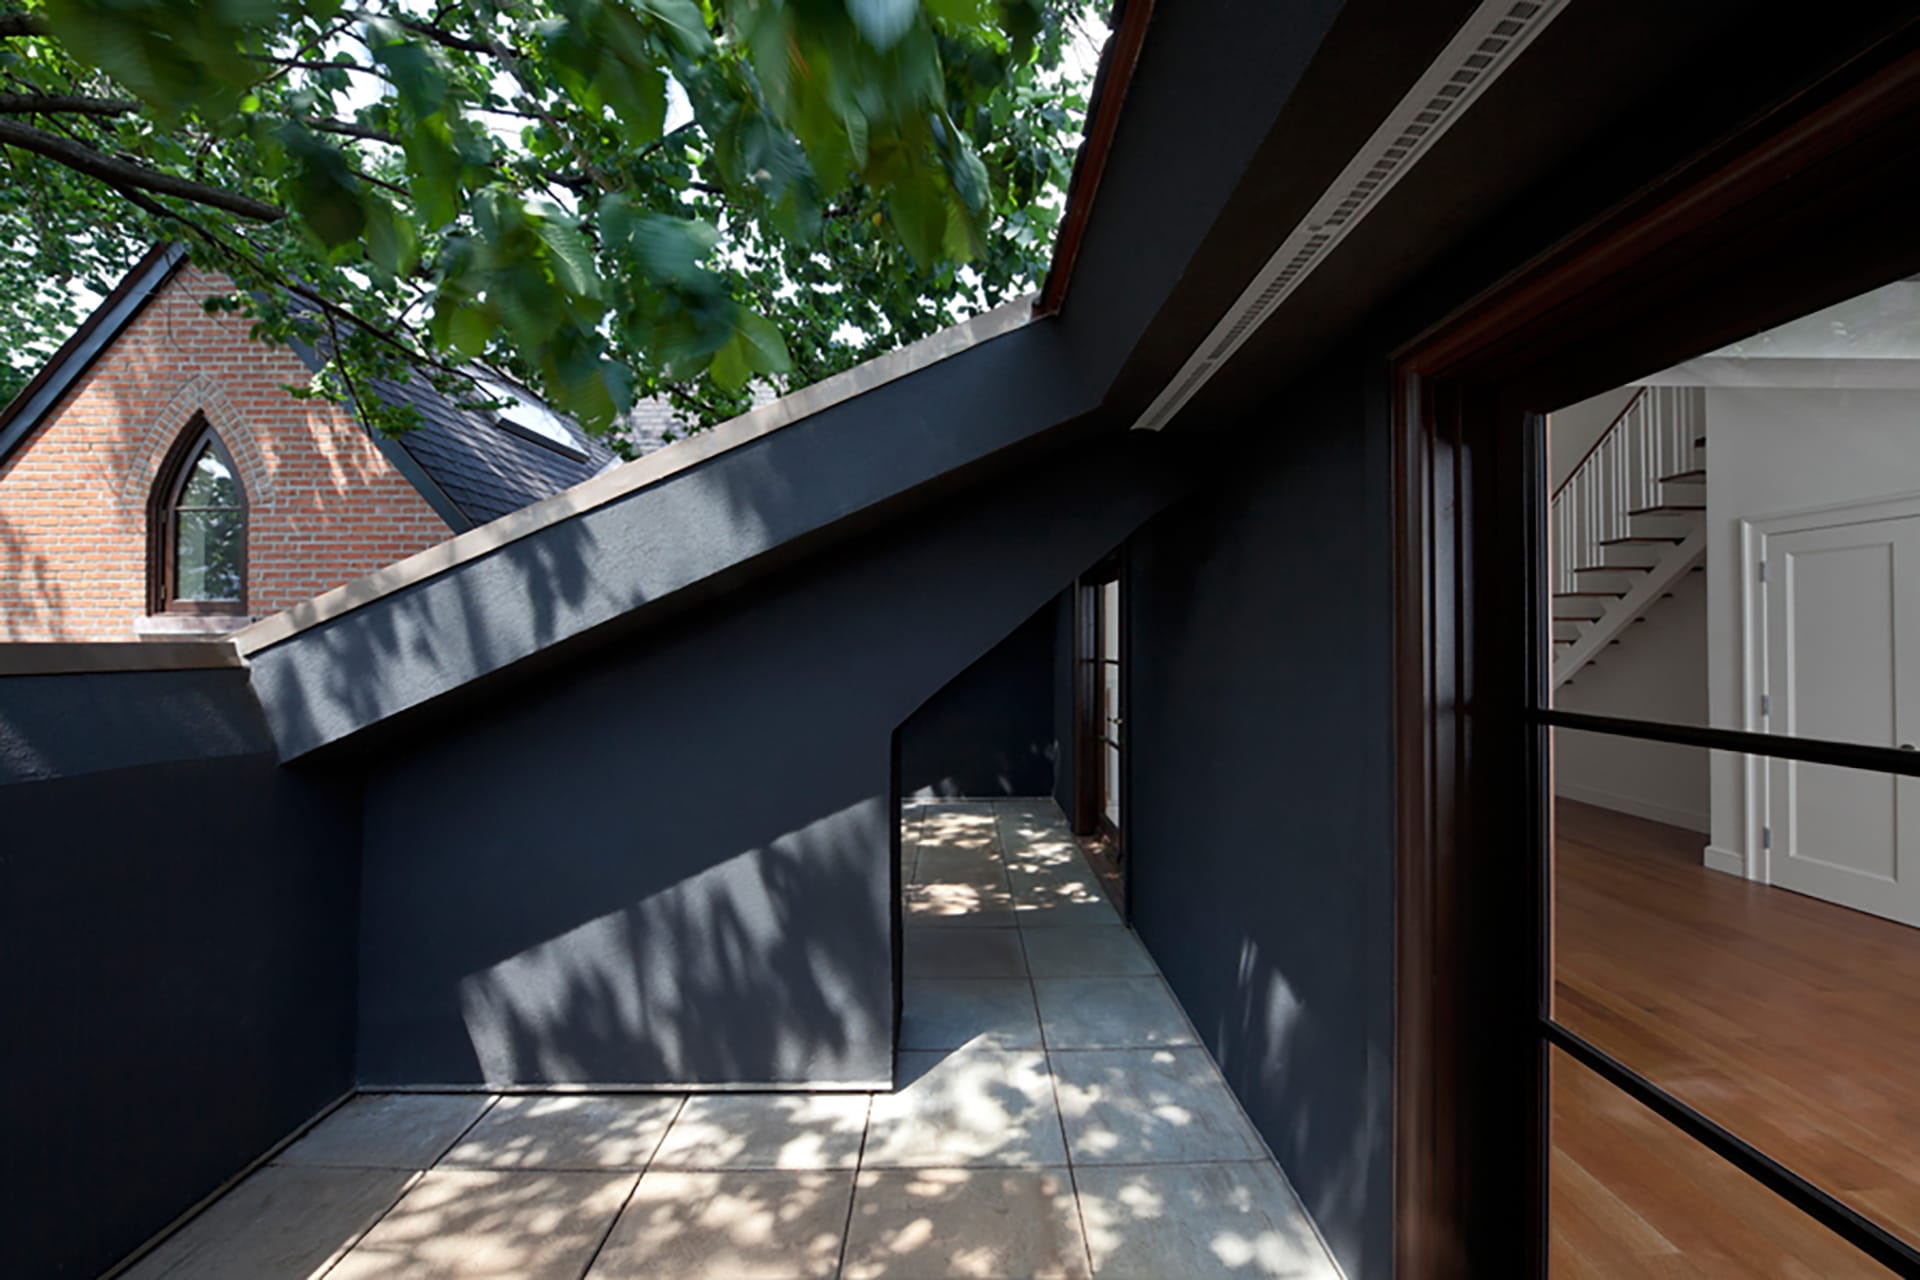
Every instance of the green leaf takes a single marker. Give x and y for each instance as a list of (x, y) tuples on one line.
[(322, 188), (571, 255), (918, 210), (391, 243), (680, 23), (755, 347), (971, 15)]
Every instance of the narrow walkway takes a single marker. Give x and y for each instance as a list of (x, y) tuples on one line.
[(1054, 1116)]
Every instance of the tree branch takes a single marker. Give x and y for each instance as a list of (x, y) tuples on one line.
[(441, 36), (351, 129), (96, 164), (21, 104)]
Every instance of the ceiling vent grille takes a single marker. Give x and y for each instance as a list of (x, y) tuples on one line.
[(1473, 59)]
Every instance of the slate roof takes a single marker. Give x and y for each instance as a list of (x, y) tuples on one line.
[(486, 467), (470, 465)]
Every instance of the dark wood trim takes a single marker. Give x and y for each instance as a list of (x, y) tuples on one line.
[(162, 503), (1470, 1082), (1103, 121), (1767, 169), (1807, 204), (1090, 735), (1086, 785)]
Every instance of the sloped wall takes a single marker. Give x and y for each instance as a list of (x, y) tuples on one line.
[(671, 859), (176, 946), (991, 731)]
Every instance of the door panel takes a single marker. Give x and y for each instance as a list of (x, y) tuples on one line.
[(1841, 633)]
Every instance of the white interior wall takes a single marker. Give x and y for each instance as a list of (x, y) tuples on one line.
[(1776, 450), (1572, 431), (1657, 672)]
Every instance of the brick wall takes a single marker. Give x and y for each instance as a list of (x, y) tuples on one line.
[(324, 504)]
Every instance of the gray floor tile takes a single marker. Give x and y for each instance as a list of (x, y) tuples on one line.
[(471, 1223), (1084, 905), (766, 1131), (281, 1221), (958, 907), (971, 1108), (959, 866), (932, 1223), (957, 1013), (962, 953), (388, 1131), (948, 828), (737, 1225), (1095, 951), (1149, 1106), (567, 1131), (1155, 1221), (1109, 1013)]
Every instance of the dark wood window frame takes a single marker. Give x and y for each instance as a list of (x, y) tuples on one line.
[(1092, 734), (1803, 207), (162, 506)]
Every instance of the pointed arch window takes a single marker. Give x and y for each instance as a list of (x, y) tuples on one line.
[(197, 529)]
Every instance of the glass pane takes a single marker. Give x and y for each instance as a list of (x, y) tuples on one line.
[(1633, 1198), (1110, 620), (209, 483), (1110, 793), (208, 549), (1109, 699), (1735, 541), (1747, 936)]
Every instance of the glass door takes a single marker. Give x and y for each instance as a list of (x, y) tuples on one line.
[(1101, 702)]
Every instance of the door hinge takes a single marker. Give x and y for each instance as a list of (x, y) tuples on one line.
[(1766, 705), (1763, 571), (1766, 837)]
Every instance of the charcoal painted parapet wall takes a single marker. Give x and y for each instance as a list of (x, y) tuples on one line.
[(1260, 765), (668, 859), (177, 942), (990, 731)]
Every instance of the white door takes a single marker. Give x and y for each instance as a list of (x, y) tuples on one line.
[(1843, 663)]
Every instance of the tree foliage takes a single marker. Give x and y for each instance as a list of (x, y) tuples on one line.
[(606, 198)]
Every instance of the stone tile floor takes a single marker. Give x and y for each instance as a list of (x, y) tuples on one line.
[(1053, 1115)]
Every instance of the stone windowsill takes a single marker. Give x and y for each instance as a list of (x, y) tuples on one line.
[(189, 626)]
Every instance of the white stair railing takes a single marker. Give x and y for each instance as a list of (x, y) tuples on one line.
[(1652, 438)]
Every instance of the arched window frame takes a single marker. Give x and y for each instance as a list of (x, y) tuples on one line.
[(162, 511)]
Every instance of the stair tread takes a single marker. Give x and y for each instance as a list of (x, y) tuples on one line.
[(1685, 477), (1640, 537), (1665, 508), (1614, 568), (1575, 595)]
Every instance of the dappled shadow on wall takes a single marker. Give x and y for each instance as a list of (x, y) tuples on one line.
[(727, 975)]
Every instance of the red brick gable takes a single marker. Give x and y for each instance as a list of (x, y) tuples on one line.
[(324, 503)]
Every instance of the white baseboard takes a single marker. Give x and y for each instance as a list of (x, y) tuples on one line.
[(1686, 818), (1717, 858)]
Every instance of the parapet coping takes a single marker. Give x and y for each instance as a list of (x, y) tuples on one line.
[(628, 478)]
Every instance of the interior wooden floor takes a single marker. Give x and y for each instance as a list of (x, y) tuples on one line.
[(1793, 1022)]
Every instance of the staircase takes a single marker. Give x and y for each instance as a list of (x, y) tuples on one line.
[(1629, 520)]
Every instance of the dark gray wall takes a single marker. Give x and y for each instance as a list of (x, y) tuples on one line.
[(177, 951), (670, 860), (990, 730), (1259, 823)]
